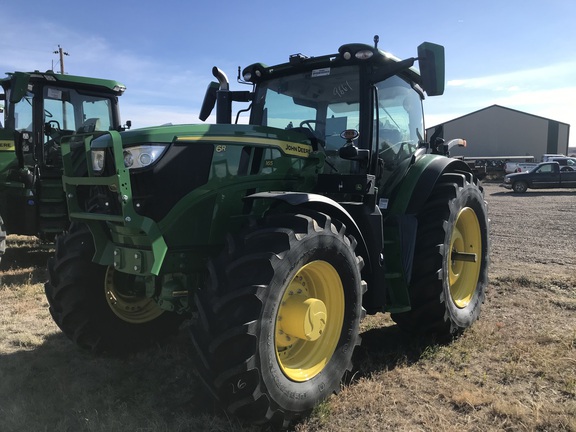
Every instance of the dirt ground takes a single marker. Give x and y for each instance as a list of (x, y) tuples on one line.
[(532, 233)]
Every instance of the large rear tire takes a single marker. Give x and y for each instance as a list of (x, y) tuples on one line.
[(450, 273), (91, 304), (279, 319)]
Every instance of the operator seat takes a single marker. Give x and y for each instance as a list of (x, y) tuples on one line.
[(388, 138), (90, 125)]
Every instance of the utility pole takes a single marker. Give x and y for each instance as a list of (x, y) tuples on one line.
[(62, 53)]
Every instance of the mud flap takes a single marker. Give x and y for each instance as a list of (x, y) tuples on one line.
[(399, 247)]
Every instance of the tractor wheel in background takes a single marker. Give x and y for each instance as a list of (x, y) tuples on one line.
[(279, 318), (92, 304), (450, 271)]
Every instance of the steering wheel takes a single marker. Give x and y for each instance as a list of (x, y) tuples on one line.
[(392, 164), (56, 128), (307, 129), (401, 149), (308, 124)]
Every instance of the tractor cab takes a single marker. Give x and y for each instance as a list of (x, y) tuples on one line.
[(41, 109), (326, 104), (361, 107)]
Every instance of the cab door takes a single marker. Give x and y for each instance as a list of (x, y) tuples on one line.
[(546, 176), (568, 177)]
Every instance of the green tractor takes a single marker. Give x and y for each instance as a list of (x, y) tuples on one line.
[(40, 109), (275, 238)]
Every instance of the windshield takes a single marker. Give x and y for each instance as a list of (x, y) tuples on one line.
[(400, 119), (23, 113), (54, 112), (67, 110), (324, 101), (544, 169), (72, 111)]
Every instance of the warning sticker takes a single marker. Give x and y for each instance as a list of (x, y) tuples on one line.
[(54, 93), (320, 72)]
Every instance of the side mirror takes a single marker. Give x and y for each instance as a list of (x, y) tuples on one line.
[(432, 68), (209, 100), (19, 86), (349, 151)]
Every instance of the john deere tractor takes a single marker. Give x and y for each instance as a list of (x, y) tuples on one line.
[(274, 238), (40, 109)]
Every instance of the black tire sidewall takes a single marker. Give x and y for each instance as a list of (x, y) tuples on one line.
[(471, 197), (299, 396), (77, 297), (521, 187)]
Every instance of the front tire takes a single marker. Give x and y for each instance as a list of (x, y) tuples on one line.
[(280, 317), (520, 187), (89, 303), (450, 273)]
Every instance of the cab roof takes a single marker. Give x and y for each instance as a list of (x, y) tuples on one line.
[(65, 79)]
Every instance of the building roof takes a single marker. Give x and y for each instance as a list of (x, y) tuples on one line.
[(496, 106)]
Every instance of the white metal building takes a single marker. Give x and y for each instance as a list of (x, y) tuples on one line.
[(497, 131)]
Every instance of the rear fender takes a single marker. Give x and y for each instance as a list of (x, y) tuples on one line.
[(411, 193), (324, 205)]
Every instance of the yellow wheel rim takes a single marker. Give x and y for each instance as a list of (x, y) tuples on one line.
[(465, 257), (309, 321), (130, 308)]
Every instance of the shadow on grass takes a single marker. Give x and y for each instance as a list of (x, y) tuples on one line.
[(386, 348), (57, 386), (25, 263)]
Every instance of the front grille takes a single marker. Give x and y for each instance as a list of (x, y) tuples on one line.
[(183, 168)]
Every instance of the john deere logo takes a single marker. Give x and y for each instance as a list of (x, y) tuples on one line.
[(294, 149), (6, 145)]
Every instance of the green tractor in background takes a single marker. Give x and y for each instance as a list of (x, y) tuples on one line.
[(40, 108), (276, 237)]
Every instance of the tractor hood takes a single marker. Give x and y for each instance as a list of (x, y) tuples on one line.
[(289, 142)]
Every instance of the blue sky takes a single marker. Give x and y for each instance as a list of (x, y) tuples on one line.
[(520, 54)]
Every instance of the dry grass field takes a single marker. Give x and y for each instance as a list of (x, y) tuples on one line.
[(514, 370)]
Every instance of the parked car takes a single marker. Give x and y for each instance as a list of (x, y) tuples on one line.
[(524, 167), (512, 167), (546, 175), (547, 157), (565, 161)]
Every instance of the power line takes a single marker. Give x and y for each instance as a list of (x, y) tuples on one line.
[(62, 53)]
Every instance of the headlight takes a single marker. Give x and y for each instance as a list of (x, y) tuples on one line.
[(97, 160), (506, 179), (142, 156), (134, 157)]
